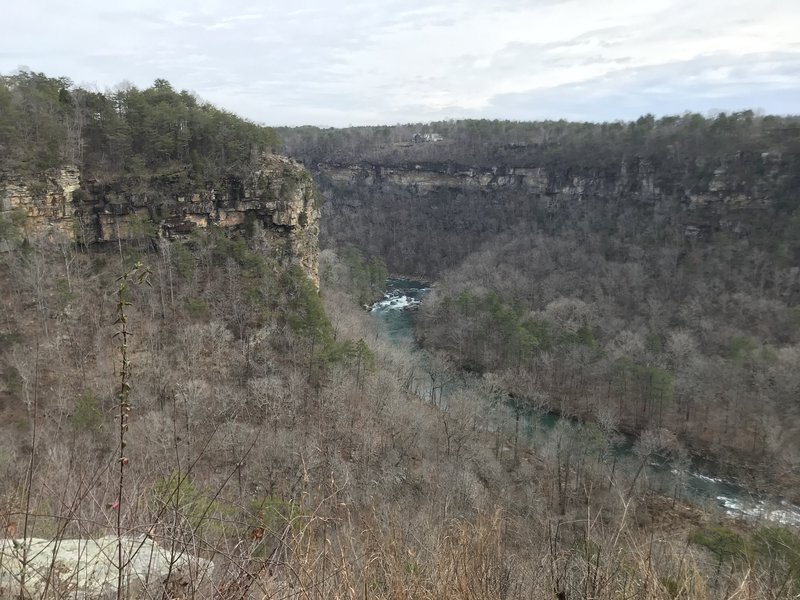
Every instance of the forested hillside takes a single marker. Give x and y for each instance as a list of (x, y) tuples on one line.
[(184, 413), (673, 141), (274, 443), (644, 274), (142, 165), (424, 205), (47, 122)]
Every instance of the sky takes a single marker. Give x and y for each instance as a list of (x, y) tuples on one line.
[(366, 62)]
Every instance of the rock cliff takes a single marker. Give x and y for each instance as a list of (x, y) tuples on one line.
[(279, 195), (428, 216)]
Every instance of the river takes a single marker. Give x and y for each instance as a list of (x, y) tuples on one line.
[(396, 312)]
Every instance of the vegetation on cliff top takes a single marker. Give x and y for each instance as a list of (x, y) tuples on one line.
[(47, 122), (679, 145)]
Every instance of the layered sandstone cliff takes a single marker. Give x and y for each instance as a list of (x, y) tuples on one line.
[(279, 195), (427, 216)]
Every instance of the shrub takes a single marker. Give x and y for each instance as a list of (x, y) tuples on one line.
[(11, 225), (197, 308), (778, 547), (204, 513), (722, 542), (182, 260), (87, 415)]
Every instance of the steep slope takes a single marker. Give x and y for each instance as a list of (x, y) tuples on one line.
[(642, 275), (279, 196), (424, 205), (425, 217), (271, 427)]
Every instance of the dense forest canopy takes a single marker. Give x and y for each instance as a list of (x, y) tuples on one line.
[(674, 141), (756, 157), (47, 122)]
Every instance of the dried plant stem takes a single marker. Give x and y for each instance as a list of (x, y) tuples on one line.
[(136, 275), (29, 478)]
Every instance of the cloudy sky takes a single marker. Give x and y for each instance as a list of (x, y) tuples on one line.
[(329, 62)]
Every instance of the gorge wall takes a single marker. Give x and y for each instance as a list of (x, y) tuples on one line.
[(600, 276), (280, 196), (424, 217)]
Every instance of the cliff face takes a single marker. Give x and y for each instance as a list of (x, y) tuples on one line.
[(280, 196), (425, 217)]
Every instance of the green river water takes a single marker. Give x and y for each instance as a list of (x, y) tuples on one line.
[(697, 484)]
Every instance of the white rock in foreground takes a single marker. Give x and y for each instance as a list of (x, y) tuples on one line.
[(86, 568)]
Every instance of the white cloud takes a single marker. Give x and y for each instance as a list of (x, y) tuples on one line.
[(339, 63)]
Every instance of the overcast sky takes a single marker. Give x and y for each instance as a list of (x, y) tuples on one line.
[(326, 62)]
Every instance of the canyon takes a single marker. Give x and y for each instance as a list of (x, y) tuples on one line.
[(603, 270), (160, 259)]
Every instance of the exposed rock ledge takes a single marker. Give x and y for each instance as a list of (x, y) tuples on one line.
[(86, 569), (280, 195)]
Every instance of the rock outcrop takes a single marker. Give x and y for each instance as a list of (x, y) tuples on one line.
[(279, 195), (422, 217), (85, 568)]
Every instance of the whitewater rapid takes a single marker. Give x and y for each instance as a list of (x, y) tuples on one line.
[(395, 309)]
